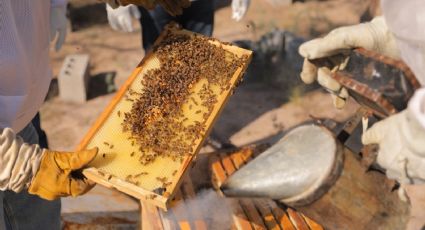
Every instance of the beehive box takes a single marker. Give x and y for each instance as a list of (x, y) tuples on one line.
[(117, 165)]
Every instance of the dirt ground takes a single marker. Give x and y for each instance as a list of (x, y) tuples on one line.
[(118, 53)]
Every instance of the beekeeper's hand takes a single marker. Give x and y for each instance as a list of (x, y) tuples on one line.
[(239, 9), (401, 140), (57, 177), (173, 7), (334, 48), (58, 25), (120, 19), (47, 174)]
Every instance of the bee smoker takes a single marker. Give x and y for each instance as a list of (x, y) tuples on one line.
[(325, 172)]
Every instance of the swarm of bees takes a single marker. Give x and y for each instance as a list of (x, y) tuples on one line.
[(156, 121)]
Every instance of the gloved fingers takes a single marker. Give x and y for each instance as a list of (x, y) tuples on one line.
[(324, 79), (135, 12), (61, 38), (125, 24), (339, 61), (309, 72), (80, 186), (72, 161), (82, 158), (115, 24), (375, 134), (239, 9), (338, 102), (336, 42), (112, 19)]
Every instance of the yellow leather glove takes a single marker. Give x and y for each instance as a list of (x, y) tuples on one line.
[(58, 175)]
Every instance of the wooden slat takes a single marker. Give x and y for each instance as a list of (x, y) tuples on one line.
[(238, 159), (150, 218), (217, 170), (240, 219), (267, 214), (281, 217), (227, 164), (311, 223), (246, 154), (252, 214), (297, 220)]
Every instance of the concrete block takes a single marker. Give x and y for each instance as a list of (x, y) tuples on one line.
[(73, 78)]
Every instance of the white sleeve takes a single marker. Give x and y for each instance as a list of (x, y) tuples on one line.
[(416, 106), (58, 3), (19, 161)]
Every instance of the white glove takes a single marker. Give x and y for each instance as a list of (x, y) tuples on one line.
[(58, 25), (401, 140), (120, 19), (373, 35), (239, 9), (112, 3)]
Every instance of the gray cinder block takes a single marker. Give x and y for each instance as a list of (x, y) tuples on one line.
[(73, 78)]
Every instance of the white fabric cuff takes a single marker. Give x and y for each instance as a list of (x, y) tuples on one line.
[(416, 107), (19, 161)]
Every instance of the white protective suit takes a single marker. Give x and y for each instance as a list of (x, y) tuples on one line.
[(24, 80), (402, 136), (24, 59)]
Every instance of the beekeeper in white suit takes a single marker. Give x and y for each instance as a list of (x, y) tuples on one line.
[(399, 33), (31, 178)]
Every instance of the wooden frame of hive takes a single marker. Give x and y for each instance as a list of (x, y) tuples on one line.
[(136, 191)]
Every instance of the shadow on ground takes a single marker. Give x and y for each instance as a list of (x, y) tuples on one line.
[(271, 80)]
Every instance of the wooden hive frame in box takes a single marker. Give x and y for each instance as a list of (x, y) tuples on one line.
[(112, 163)]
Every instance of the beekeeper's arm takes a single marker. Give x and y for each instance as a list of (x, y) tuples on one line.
[(401, 140), (43, 172), (399, 34)]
